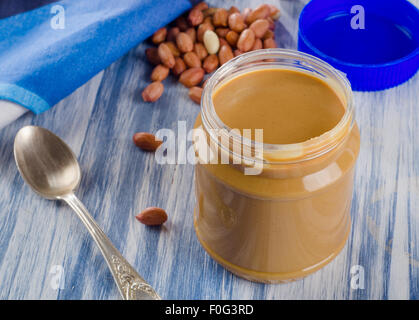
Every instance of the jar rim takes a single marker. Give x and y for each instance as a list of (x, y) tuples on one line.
[(316, 145)]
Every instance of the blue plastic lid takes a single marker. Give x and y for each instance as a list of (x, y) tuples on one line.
[(375, 42)]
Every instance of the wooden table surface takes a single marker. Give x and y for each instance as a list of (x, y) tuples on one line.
[(42, 241)]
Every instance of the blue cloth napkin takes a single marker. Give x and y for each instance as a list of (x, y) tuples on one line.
[(48, 52)]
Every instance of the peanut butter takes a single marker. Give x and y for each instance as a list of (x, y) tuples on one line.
[(288, 105)]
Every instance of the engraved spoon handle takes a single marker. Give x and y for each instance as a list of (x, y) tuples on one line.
[(130, 284)]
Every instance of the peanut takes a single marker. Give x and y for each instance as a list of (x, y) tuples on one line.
[(165, 55), (274, 12), (153, 91), (246, 40), (246, 13), (195, 93), (259, 27), (191, 32), (195, 17), (210, 63), (209, 12), (211, 41), (200, 50), (159, 73), (233, 9), (269, 43), (146, 141), (225, 54), (257, 45), (201, 6), (152, 216), (192, 77), (232, 37), (236, 22), (184, 42), (179, 67), (152, 56), (220, 18), (260, 12), (172, 33), (181, 23), (159, 36), (268, 34), (192, 60)]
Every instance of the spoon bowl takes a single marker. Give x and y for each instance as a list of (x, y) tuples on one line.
[(46, 163)]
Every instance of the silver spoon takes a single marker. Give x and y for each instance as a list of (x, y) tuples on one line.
[(51, 169)]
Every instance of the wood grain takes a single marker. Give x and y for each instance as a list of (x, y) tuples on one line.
[(98, 121)]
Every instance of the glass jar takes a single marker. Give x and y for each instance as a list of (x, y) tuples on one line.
[(293, 216)]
